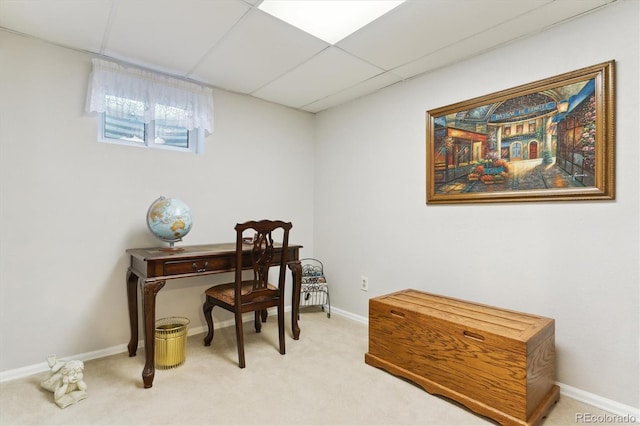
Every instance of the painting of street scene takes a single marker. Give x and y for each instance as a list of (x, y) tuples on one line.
[(541, 141)]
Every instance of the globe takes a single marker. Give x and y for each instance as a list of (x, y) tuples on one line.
[(169, 219)]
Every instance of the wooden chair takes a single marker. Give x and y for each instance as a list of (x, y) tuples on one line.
[(254, 294)]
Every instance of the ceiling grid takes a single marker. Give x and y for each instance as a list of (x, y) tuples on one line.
[(234, 46)]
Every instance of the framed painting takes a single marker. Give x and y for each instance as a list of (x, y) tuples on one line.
[(548, 140)]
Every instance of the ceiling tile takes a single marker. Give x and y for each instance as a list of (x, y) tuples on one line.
[(171, 35), (70, 23), (361, 89), (258, 50), (327, 73), (506, 32), (418, 28)]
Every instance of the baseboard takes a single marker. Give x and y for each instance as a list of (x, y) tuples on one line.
[(356, 318), (621, 413), (41, 367), (626, 413)]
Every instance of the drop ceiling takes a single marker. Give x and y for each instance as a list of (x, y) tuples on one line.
[(234, 46)]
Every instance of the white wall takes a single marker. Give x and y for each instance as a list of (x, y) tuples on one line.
[(70, 206), (576, 262), (62, 287)]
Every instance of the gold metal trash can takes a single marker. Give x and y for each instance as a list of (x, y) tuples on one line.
[(171, 342)]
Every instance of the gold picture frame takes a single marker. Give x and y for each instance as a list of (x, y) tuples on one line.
[(550, 140)]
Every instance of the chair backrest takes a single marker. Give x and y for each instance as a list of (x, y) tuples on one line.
[(259, 255)]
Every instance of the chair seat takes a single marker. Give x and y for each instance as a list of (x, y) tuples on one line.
[(226, 292)]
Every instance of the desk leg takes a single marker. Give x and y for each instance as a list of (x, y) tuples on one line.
[(296, 272), (149, 292), (132, 299)]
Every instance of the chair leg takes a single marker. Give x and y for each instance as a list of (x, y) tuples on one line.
[(264, 315), (240, 339), (281, 328), (256, 321), (206, 309)]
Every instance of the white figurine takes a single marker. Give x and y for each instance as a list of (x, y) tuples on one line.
[(66, 381)]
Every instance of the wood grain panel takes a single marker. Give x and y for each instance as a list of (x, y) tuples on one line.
[(468, 349)]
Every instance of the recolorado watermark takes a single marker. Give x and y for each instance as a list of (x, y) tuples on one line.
[(605, 418)]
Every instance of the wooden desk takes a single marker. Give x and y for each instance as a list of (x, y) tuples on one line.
[(152, 267)]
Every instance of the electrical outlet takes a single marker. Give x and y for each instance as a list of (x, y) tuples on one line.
[(364, 283)]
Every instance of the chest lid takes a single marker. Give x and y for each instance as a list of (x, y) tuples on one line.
[(527, 329)]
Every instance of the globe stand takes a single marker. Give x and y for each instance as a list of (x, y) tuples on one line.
[(171, 247)]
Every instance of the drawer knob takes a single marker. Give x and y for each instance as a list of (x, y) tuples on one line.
[(397, 313), (196, 269)]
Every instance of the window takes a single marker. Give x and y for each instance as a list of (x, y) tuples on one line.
[(159, 133), (140, 108), (516, 150)]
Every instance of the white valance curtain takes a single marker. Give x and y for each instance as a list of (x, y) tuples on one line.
[(126, 91)]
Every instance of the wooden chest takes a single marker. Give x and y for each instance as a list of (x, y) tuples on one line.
[(498, 363)]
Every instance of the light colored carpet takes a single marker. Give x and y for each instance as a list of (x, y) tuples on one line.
[(322, 380)]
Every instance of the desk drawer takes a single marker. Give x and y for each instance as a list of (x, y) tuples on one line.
[(197, 266), (205, 264)]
